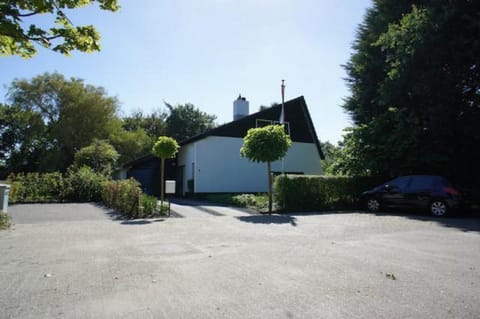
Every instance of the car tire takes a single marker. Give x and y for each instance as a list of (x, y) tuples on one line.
[(372, 204), (438, 208)]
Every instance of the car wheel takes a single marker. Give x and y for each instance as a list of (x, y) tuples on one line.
[(438, 208), (373, 204)]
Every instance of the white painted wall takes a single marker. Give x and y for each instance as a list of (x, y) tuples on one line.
[(185, 157), (220, 168)]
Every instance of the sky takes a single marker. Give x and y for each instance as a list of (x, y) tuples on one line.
[(208, 52)]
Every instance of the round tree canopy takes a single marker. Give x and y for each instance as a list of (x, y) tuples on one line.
[(165, 147), (265, 144)]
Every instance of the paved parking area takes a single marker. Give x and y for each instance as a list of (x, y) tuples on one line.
[(75, 261)]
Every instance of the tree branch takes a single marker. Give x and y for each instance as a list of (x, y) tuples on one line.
[(28, 14)]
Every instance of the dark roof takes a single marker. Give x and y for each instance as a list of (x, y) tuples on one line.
[(140, 160), (296, 114)]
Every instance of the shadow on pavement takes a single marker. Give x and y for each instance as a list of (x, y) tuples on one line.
[(269, 219), (140, 221), (465, 222)]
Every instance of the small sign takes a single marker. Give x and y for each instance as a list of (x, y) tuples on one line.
[(169, 187)]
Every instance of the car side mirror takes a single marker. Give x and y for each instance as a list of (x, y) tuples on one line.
[(388, 187)]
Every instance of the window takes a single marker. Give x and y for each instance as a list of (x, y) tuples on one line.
[(286, 125), (262, 123), (422, 183), (400, 182)]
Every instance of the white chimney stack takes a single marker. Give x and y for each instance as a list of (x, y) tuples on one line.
[(240, 108)]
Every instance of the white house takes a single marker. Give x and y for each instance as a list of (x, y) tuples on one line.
[(211, 162)]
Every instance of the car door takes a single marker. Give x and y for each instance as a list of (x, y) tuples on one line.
[(394, 192)]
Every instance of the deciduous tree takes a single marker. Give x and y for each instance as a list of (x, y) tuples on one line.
[(266, 145), (71, 113), (18, 34), (186, 121)]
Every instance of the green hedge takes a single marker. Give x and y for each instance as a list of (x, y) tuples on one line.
[(36, 187), (308, 193), (83, 185)]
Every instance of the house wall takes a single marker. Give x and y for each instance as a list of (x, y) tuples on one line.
[(185, 157), (220, 168)]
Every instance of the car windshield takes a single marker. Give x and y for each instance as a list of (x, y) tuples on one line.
[(399, 182)]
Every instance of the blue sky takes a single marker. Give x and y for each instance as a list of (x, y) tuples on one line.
[(207, 52)]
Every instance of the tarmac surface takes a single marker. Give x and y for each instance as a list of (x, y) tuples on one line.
[(80, 261)]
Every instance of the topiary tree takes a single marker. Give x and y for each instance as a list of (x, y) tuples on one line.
[(165, 147), (266, 144)]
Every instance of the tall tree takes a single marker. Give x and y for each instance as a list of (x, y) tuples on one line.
[(266, 145), (72, 113), (23, 138), (131, 144), (186, 121), (415, 90), (331, 152), (154, 124), (17, 36)]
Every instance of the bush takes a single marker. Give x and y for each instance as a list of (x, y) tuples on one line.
[(4, 220), (302, 192), (148, 205), (83, 185), (99, 155), (123, 196), (257, 202), (36, 187)]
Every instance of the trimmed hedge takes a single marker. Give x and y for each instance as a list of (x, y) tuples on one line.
[(308, 193), (36, 187), (83, 185)]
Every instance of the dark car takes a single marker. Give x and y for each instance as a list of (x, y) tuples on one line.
[(434, 193)]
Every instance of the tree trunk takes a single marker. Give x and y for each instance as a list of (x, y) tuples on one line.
[(162, 185), (269, 187)]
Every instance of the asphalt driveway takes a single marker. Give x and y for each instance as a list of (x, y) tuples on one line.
[(78, 261)]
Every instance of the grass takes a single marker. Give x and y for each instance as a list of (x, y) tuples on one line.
[(4, 220)]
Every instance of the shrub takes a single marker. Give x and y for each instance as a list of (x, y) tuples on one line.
[(301, 192), (99, 155), (4, 220), (36, 187), (83, 185), (257, 202), (148, 205), (123, 196)]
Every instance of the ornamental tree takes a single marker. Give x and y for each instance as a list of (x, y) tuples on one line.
[(18, 36), (266, 145), (165, 147)]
